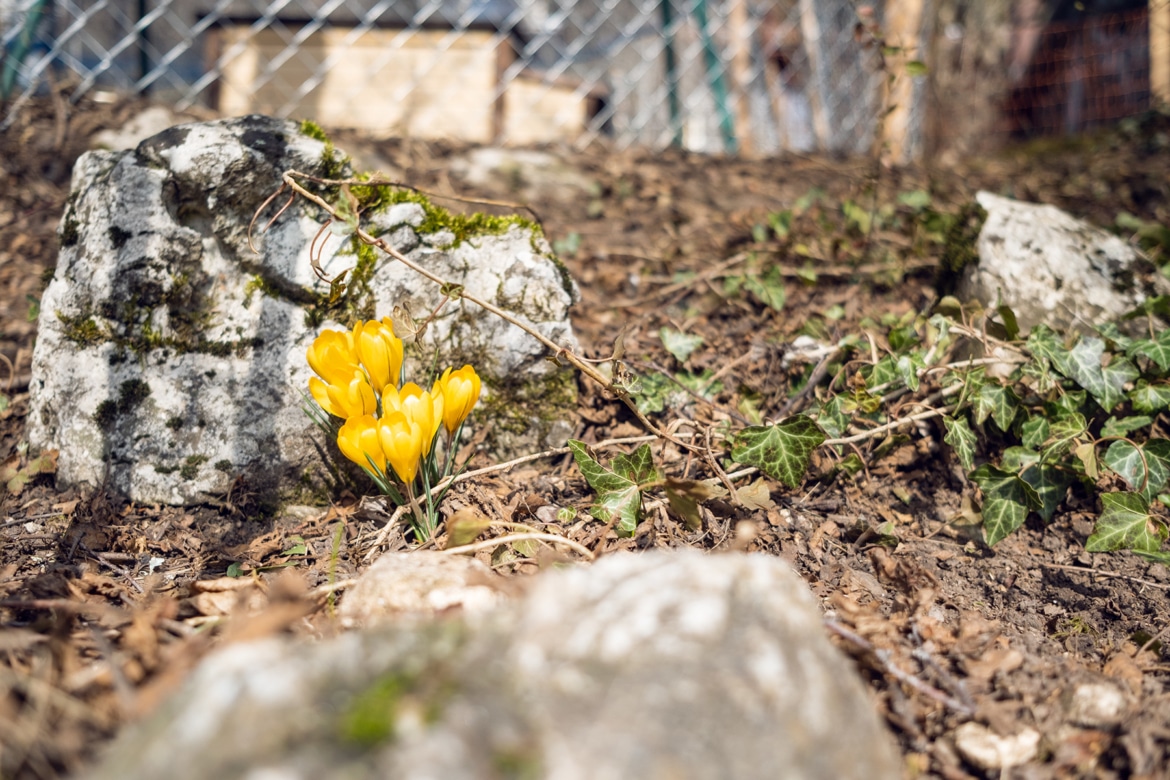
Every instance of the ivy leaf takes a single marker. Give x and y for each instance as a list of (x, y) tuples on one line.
[(962, 440), (1010, 323), (995, 401), (618, 497), (637, 467), (1006, 501), (1043, 342), (679, 344), (832, 417), (1148, 397), (1155, 557), (1034, 432), (1050, 483), (768, 289), (1125, 524), (1062, 435), (1105, 383), (908, 367), (1145, 472), (1122, 427), (782, 451), (1016, 459), (1157, 349), (1114, 335), (880, 373)]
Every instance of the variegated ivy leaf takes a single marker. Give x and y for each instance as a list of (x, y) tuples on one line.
[(1147, 397), (782, 451), (996, 401), (1110, 332), (1156, 349), (1062, 435), (679, 344), (832, 417), (1007, 499), (962, 440), (619, 492), (1050, 483), (882, 372), (1126, 524), (1044, 343), (1142, 468), (1018, 458), (1105, 383), (908, 367), (1124, 426), (1034, 432)]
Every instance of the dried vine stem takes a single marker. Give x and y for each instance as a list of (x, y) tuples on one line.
[(290, 180)]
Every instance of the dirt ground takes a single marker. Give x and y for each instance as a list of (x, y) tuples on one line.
[(107, 605)]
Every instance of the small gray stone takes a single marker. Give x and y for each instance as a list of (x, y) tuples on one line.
[(1054, 269), (659, 665)]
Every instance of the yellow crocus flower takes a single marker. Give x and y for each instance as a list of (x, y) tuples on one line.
[(460, 391), (425, 409), (352, 398), (333, 357), (380, 352), (358, 438), (402, 442)]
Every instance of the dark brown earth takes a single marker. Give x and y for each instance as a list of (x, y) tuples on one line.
[(106, 605)]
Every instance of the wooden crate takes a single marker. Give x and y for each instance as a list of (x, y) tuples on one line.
[(421, 83)]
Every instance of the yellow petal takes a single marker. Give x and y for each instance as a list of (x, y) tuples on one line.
[(401, 441), (359, 438)]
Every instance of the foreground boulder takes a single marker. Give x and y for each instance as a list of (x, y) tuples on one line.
[(170, 355), (1055, 269), (659, 665)]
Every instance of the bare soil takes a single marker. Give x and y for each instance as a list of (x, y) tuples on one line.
[(106, 605)]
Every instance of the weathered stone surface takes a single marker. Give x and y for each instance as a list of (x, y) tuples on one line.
[(419, 583), (660, 665), (1054, 269), (170, 356)]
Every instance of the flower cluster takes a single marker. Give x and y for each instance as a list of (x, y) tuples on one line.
[(391, 427)]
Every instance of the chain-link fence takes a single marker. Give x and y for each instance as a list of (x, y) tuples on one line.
[(711, 75)]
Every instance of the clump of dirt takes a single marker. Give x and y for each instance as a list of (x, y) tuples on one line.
[(107, 605)]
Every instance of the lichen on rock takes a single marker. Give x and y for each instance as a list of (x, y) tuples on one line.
[(157, 285)]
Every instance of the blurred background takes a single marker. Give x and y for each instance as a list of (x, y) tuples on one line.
[(913, 79)]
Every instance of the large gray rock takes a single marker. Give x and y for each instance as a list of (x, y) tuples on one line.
[(1055, 269), (659, 665), (171, 357)]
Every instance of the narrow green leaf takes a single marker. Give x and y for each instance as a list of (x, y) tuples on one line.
[(1010, 323), (782, 451), (1125, 524), (962, 439), (916, 68)]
